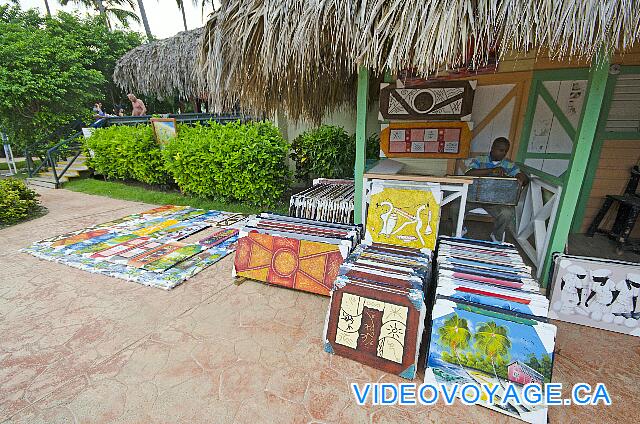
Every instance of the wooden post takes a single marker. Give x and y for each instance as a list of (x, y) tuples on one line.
[(361, 141), (575, 174)]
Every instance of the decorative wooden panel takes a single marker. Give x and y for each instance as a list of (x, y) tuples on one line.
[(430, 101), (426, 140)]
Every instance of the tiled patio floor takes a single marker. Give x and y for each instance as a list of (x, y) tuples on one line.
[(77, 347)]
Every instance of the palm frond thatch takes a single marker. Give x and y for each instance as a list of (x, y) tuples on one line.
[(163, 68), (302, 55)]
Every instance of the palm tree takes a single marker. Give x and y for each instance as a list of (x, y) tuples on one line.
[(492, 340), (46, 4), (180, 4), (109, 8), (455, 334), (145, 21)]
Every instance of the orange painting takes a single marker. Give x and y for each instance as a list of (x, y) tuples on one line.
[(297, 264)]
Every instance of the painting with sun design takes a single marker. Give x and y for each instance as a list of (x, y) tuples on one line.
[(378, 326), (289, 262), (404, 214)]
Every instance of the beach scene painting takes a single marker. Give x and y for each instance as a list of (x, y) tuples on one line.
[(473, 345)]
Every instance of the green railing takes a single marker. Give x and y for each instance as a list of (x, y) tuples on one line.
[(71, 145)]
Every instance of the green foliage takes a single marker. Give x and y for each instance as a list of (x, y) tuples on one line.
[(543, 365), (328, 152), (17, 201), (234, 161), (52, 70), (127, 153), (455, 334)]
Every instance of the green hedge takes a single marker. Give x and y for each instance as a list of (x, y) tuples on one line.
[(239, 162), (17, 201), (127, 153), (328, 152), (245, 162)]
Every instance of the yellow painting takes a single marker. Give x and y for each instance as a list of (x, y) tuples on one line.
[(404, 216)]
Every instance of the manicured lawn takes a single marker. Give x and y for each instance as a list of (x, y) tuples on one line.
[(124, 191)]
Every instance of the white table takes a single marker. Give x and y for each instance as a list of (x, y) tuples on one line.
[(456, 187)]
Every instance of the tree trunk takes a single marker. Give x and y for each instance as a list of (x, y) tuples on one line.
[(143, 16), (46, 4), (103, 13), (184, 18)]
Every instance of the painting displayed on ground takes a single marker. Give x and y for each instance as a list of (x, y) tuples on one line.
[(377, 310), (597, 292), (165, 129), (432, 100), (403, 213), (448, 140), (471, 345), (293, 252), (489, 325), (142, 247)]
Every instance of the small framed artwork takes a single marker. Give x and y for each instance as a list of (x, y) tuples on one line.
[(164, 129)]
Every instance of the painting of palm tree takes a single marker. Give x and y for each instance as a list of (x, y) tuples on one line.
[(455, 334), (492, 340)]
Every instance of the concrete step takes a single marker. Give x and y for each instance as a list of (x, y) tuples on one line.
[(41, 182), (67, 175), (60, 167)]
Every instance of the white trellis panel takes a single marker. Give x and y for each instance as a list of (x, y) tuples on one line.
[(536, 217)]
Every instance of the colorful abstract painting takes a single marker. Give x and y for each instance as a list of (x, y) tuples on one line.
[(297, 264), (404, 215), (142, 247), (218, 237)]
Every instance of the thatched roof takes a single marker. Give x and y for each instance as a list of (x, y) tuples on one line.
[(303, 54), (163, 68)]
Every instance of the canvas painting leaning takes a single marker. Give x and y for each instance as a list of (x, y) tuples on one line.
[(597, 292)]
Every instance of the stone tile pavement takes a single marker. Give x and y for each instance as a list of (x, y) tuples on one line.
[(81, 348)]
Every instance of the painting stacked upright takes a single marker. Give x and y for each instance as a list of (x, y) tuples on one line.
[(377, 311), (296, 253), (489, 326)]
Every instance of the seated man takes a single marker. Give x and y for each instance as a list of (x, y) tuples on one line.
[(495, 165)]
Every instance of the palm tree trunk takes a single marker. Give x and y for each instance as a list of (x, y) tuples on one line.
[(103, 13), (46, 5), (145, 21), (184, 18)]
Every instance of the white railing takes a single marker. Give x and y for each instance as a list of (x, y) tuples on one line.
[(535, 217)]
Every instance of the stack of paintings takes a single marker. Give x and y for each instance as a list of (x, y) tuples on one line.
[(597, 292), (326, 200), (292, 252), (377, 309), (489, 327), (154, 248)]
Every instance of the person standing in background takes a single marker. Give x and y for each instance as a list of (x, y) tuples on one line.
[(138, 107)]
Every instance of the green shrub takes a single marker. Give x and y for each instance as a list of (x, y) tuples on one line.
[(17, 201), (123, 153), (328, 152), (235, 161)]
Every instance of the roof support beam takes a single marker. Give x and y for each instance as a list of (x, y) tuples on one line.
[(361, 140)]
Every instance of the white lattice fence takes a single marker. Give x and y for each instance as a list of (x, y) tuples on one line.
[(536, 214)]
